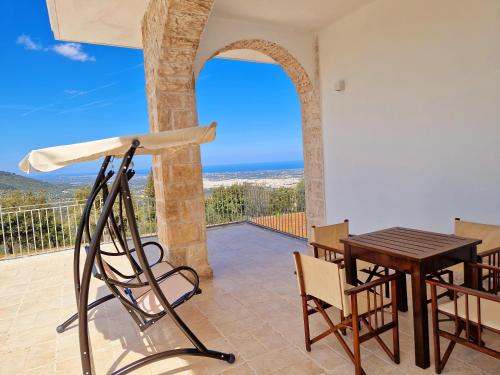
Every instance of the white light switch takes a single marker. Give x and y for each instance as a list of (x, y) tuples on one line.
[(340, 85)]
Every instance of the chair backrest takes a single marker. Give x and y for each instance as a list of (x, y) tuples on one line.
[(330, 235), (488, 233), (321, 279)]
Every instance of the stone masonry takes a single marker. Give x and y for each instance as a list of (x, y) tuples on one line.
[(171, 31)]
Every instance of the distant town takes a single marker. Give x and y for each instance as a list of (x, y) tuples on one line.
[(60, 186)]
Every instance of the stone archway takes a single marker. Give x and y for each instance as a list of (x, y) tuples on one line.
[(311, 121), (171, 32)]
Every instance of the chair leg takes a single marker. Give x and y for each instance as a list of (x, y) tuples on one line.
[(395, 319), (342, 318), (435, 333), (307, 336), (387, 291), (355, 341)]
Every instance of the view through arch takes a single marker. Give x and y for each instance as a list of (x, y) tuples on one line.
[(311, 139)]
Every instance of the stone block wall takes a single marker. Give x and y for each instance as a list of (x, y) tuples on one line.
[(171, 35)]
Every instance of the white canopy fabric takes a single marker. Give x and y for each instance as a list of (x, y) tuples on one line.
[(52, 158)]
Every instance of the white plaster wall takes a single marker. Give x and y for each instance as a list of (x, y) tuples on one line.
[(220, 32), (415, 138)]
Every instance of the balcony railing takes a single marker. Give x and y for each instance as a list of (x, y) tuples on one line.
[(280, 209), (42, 228)]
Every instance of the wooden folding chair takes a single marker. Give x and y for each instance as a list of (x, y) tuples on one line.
[(472, 311), (488, 251), (323, 283), (326, 245)]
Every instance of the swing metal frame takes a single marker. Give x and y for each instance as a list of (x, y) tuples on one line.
[(120, 188)]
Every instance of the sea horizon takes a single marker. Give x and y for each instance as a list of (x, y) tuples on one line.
[(208, 169)]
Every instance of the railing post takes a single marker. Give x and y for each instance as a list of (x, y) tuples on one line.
[(3, 233)]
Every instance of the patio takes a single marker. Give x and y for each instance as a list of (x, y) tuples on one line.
[(251, 307)]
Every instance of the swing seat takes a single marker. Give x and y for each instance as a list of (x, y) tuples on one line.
[(173, 282)]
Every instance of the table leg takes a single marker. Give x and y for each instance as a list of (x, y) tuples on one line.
[(351, 271), (471, 276), (472, 279), (420, 321), (401, 291)]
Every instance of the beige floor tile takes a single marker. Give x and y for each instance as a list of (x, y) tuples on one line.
[(12, 362), (251, 308), (236, 369), (40, 355)]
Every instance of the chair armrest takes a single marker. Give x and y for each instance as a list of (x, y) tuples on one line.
[(465, 290), (486, 253), (178, 269), (339, 261), (371, 284), (486, 267), (160, 257), (328, 248), (162, 252), (196, 284)]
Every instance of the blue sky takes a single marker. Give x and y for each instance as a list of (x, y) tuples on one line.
[(53, 93)]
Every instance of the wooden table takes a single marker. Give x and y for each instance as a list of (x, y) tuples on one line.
[(417, 253)]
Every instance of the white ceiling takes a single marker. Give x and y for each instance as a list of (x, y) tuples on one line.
[(111, 22), (118, 22), (301, 14)]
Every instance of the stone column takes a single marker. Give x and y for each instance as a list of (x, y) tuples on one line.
[(171, 31)]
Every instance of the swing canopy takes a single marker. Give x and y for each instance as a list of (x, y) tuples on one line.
[(159, 143)]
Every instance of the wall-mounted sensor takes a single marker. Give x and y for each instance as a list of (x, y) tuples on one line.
[(340, 85)]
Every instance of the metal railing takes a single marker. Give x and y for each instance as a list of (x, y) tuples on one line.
[(48, 227), (280, 209)]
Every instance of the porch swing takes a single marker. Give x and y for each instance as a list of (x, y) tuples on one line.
[(147, 289)]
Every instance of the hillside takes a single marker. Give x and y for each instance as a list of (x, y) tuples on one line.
[(11, 182)]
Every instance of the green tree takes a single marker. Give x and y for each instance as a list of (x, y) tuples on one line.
[(24, 225), (226, 204), (300, 192), (149, 189), (82, 193), (282, 200), (19, 198)]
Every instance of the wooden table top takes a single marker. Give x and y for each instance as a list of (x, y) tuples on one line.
[(410, 243)]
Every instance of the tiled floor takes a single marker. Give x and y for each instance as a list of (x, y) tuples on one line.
[(251, 308)]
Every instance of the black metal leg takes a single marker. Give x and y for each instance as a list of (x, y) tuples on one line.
[(61, 328), (230, 358)]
